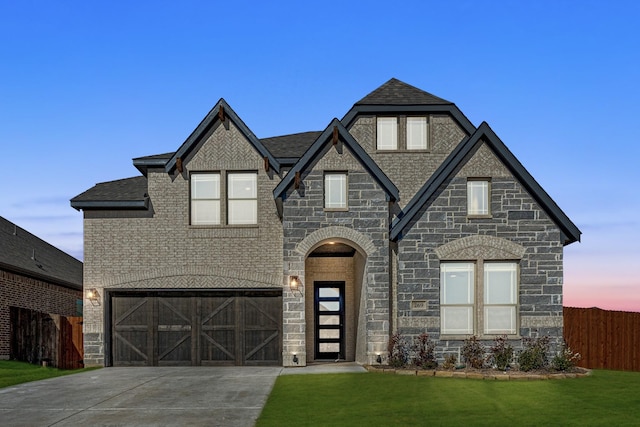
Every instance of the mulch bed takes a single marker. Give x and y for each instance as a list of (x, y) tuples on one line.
[(482, 374)]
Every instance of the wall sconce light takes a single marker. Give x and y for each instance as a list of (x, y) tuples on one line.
[(295, 358), (93, 296), (295, 284), (379, 358)]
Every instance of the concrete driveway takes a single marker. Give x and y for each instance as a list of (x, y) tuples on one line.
[(198, 396)]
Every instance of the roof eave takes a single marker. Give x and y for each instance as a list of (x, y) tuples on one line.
[(451, 109), (110, 204), (43, 277)]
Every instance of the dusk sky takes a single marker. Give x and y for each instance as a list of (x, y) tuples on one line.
[(85, 86)]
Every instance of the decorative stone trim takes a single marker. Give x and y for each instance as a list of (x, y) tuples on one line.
[(195, 277), (364, 244), (541, 321), (499, 376), (480, 247), (426, 322)]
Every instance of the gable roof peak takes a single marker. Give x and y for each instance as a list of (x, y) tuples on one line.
[(396, 92)]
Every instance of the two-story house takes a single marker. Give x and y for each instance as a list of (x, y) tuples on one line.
[(317, 246)]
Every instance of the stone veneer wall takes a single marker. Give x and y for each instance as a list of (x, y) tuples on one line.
[(21, 291), (364, 226), (517, 222), (164, 251)]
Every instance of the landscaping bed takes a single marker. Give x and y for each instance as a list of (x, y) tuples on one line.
[(482, 374)]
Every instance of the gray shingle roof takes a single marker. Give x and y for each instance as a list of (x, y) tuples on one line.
[(22, 252), (128, 193), (395, 92), (293, 145)]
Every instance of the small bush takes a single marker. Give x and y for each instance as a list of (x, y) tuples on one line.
[(501, 353), (424, 349), (450, 361), (398, 351), (534, 353), (566, 359), (473, 352)]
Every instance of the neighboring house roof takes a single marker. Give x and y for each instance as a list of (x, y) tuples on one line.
[(396, 97), (224, 111), (23, 253), (129, 193), (358, 152), (458, 156)]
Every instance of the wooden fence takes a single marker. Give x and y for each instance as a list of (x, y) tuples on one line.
[(43, 338), (605, 339)]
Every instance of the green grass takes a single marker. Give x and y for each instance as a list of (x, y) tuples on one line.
[(12, 372), (377, 399)]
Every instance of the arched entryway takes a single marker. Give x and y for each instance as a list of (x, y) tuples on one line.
[(334, 273)]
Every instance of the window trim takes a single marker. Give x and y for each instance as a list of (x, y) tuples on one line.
[(397, 141), (479, 303), (426, 134), (344, 208), (219, 199), (488, 214), (228, 198)]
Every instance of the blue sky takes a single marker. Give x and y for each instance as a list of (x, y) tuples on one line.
[(85, 86)]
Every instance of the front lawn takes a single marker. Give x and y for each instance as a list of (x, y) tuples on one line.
[(377, 399), (12, 372)]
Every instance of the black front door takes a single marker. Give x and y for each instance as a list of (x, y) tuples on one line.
[(329, 320)]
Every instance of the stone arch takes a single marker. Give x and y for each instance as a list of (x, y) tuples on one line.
[(347, 235), (480, 247), (193, 277)]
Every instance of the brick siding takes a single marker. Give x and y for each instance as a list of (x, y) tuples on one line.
[(21, 291)]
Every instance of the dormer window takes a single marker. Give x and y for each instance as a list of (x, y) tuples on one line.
[(387, 133), (416, 133), (403, 133)]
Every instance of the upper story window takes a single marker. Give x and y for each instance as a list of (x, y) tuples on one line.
[(387, 133), (335, 190), (478, 304), (208, 202), (478, 197), (416, 133), (242, 195), (205, 198), (402, 133)]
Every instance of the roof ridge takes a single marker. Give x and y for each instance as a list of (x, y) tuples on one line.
[(397, 92)]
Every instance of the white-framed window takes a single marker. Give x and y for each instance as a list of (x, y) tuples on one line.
[(205, 199), (500, 297), (478, 197), (387, 133), (242, 198), (457, 298), (335, 190), (483, 304), (417, 133)]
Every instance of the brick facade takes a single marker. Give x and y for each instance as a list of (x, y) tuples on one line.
[(21, 291)]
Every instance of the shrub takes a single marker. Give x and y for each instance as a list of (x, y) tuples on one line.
[(450, 361), (473, 352), (424, 349), (566, 359), (398, 351), (501, 353), (534, 353)]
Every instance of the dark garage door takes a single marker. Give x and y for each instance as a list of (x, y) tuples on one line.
[(194, 329)]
